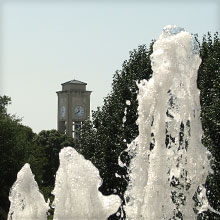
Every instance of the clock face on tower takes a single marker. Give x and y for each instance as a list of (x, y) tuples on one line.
[(79, 111), (62, 112)]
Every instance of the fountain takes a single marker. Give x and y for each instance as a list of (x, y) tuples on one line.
[(76, 190), (169, 165), (26, 200)]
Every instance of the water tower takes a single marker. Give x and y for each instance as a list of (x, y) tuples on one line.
[(73, 107)]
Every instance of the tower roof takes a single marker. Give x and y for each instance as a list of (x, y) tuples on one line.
[(74, 82)]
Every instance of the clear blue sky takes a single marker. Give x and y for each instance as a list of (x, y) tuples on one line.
[(45, 44)]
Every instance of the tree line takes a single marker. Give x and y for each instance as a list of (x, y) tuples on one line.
[(105, 137)]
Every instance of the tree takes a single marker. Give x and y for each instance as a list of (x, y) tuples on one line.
[(15, 140), (4, 101), (47, 145), (114, 125), (44, 160), (209, 85)]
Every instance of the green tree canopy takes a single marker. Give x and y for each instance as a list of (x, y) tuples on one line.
[(209, 85), (15, 142), (114, 125), (51, 142)]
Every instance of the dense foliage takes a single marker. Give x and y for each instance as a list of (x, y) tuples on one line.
[(46, 154), (15, 139), (114, 125), (105, 137), (209, 85)]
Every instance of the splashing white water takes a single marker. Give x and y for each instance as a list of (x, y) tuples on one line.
[(170, 161), (76, 190), (26, 200)]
